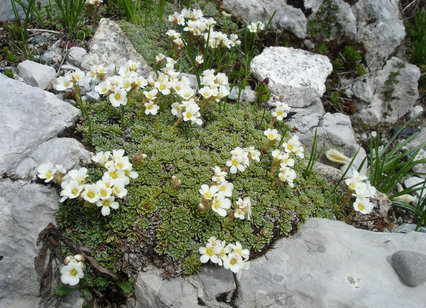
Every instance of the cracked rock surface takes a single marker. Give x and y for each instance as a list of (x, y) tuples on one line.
[(30, 121)]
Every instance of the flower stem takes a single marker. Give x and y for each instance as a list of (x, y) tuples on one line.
[(178, 122)]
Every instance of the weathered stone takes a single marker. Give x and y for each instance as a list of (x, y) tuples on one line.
[(414, 182), (330, 264), (29, 117), (111, 46), (65, 151), (405, 228), (247, 95), (420, 138), (194, 291), (335, 132), (410, 266), (295, 75), (286, 17), (36, 74), (380, 29), (6, 10), (25, 209), (75, 56)]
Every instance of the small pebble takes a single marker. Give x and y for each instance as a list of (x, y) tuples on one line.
[(410, 266)]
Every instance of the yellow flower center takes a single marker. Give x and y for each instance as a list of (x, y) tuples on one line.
[(103, 193), (120, 165), (66, 84), (290, 147), (91, 194), (150, 106), (117, 96), (233, 261), (361, 206), (222, 188), (235, 163), (216, 204), (49, 174), (106, 203), (207, 195), (271, 136), (113, 174), (189, 115), (209, 252), (74, 191), (73, 272), (162, 86)]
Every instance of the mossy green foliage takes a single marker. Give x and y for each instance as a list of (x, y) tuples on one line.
[(154, 213), (321, 26)]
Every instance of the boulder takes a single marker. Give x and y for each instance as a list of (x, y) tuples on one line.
[(380, 29), (378, 100), (26, 209), (36, 74), (65, 151), (331, 264), (6, 10), (109, 46), (295, 75), (286, 17), (29, 117)]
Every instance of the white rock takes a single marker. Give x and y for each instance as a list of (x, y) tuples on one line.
[(335, 131), (28, 117), (76, 55), (370, 91), (415, 182), (416, 111), (152, 291), (109, 46), (65, 151), (331, 264), (295, 75), (26, 209), (35, 74), (380, 29), (247, 94), (286, 17)]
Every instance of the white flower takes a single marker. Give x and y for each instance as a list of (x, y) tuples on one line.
[(101, 157), (199, 59), (132, 65), (253, 153), (286, 161), (105, 190), (118, 190), (71, 273), (186, 93), (206, 92), (292, 145), (233, 261), (365, 190), (280, 112), (207, 254), (163, 86), (70, 189), (363, 205), (103, 87), (238, 249), (91, 193), (151, 108), (77, 175), (46, 172), (63, 83), (106, 205), (208, 192), (160, 57), (151, 95), (119, 97), (177, 109), (221, 204), (226, 188), (236, 163), (245, 206), (192, 114), (219, 175), (272, 134), (287, 175)]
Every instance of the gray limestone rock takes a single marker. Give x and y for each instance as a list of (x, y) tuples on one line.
[(29, 117), (203, 289), (410, 266), (406, 228), (6, 10), (380, 29), (65, 151), (331, 264), (286, 17), (36, 74), (420, 138), (295, 75), (75, 55), (25, 209), (111, 46), (247, 94)]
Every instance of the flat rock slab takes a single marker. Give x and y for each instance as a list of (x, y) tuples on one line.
[(25, 210), (296, 75), (109, 46), (28, 117), (331, 264)]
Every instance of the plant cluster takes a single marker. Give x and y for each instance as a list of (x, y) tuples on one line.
[(362, 190)]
